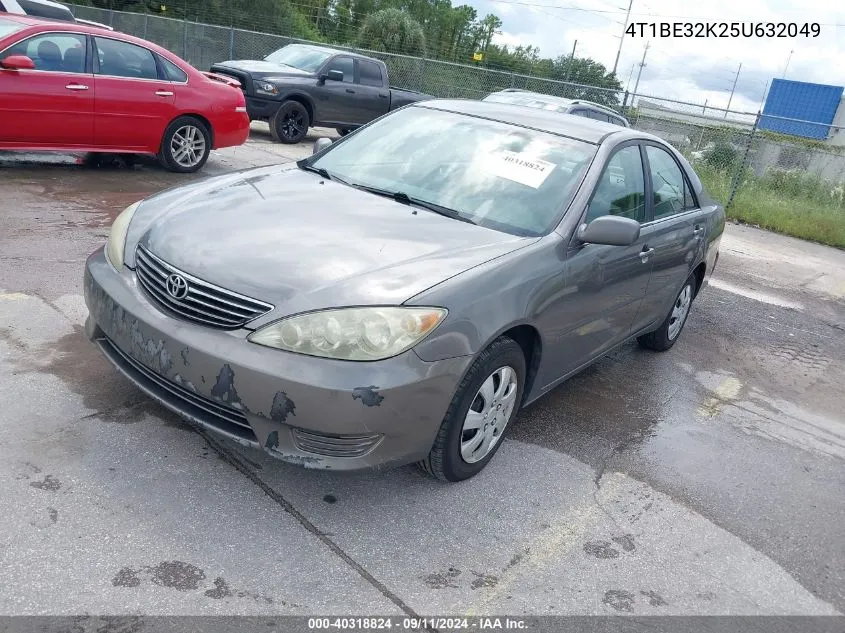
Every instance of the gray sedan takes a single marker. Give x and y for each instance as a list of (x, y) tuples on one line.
[(401, 294)]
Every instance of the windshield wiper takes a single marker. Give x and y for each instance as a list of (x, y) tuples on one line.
[(404, 198), (322, 171)]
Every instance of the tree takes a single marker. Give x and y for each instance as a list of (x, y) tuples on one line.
[(392, 31)]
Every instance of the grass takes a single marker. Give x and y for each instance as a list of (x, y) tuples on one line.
[(791, 203)]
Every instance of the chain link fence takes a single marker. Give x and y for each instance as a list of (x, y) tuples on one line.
[(780, 181)]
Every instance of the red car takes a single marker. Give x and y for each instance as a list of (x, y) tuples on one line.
[(72, 87)]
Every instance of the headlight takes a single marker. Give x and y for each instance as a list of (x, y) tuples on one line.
[(117, 236), (266, 88), (351, 333)]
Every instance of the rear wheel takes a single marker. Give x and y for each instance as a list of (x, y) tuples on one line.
[(485, 403), (185, 146), (665, 336), (290, 123)]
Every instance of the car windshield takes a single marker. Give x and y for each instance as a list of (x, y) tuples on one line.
[(494, 174), (302, 57), (529, 101), (7, 27)]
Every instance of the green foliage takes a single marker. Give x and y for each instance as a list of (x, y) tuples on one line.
[(791, 203), (722, 156), (392, 31)]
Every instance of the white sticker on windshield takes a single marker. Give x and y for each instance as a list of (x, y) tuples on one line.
[(521, 168)]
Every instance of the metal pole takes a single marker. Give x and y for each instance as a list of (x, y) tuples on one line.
[(787, 63), (763, 98), (704, 107), (146, 19), (736, 78), (630, 76), (231, 42), (622, 39), (571, 60), (741, 171), (640, 71)]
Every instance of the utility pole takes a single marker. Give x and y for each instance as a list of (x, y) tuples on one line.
[(571, 60), (630, 76), (622, 39), (736, 78), (640, 71), (787, 63)]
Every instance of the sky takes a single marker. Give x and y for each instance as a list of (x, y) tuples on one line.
[(686, 69)]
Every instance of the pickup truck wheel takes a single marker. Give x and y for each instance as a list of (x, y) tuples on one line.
[(290, 123), (185, 145)]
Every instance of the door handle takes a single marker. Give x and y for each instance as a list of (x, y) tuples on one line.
[(698, 230), (645, 254), (164, 93), (350, 91), (383, 95), (76, 87)]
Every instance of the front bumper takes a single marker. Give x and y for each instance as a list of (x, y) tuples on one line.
[(260, 108), (317, 412)]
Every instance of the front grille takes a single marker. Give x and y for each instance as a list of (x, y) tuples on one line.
[(223, 419), (334, 445), (204, 303)]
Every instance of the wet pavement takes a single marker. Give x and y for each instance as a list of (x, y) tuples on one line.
[(706, 480)]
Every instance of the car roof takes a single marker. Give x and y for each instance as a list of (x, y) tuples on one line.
[(86, 29), (577, 127)]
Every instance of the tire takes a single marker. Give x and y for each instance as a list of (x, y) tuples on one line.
[(197, 136), (664, 337), (290, 123), (343, 131), (445, 461)]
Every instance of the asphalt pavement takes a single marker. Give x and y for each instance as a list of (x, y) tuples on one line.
[(704, 481)]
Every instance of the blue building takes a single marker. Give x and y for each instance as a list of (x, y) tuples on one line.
[(817, 103)]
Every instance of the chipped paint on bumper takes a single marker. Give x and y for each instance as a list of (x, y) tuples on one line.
[(402, 399)]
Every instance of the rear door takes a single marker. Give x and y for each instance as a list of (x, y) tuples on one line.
[(671, 231), (374, 96), (53, 105), (337, 100), (133, 106)]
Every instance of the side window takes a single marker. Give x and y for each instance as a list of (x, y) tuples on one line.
[(59, 52), (346, 65), (599, 116), (172, 72), (370, 73), (621, 188), (671, 193), (122, 59), (580, 112)]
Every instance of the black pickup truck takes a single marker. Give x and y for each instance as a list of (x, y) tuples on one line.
[(301, 85)]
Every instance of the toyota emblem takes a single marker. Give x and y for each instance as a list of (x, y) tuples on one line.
[(177, 287)]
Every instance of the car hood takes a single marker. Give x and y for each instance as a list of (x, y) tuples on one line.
[(261, 68), (301, 242)]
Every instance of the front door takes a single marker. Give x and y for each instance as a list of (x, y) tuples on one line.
[(337, 100), (133, 106), (605, 285), (672, 232), (53, 105)]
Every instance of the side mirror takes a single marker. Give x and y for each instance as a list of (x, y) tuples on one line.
[(17, 62), (320, 144), (334, 75), (612, 230)]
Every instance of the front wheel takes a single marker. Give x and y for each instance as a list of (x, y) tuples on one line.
[(485, 403), (290, 123), (665, 336), (185, 146)]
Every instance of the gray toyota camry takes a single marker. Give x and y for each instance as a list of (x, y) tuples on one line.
[(398, 296)]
